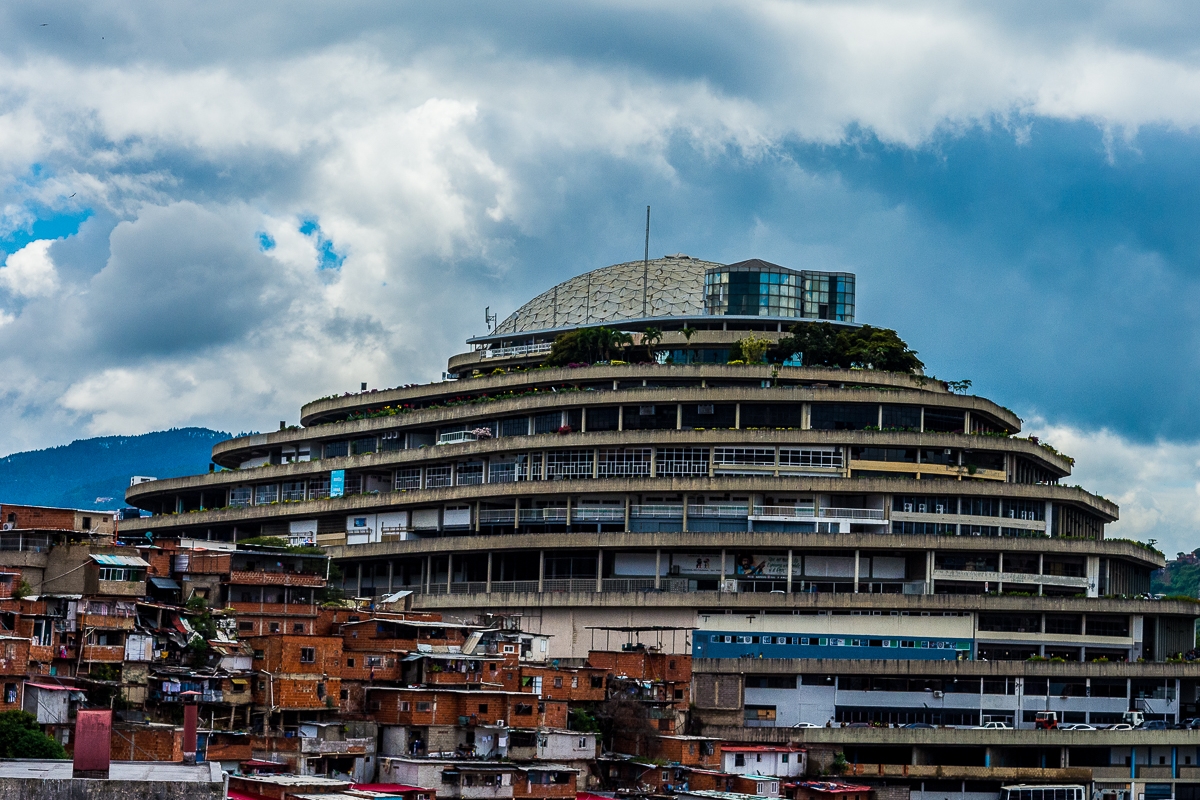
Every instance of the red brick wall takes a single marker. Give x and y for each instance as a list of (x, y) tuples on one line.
[(147, 744), (32, 517)]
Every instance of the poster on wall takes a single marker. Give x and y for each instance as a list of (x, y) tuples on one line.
[(337, 483), (696, 563), (758, 566)]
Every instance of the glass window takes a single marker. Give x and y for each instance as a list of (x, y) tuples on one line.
[(603, 419), (239, 496), (682, 462), (336, 449), (944, 420), (469, 473), (624, 462), (362, 446), (901, 418), (515, 426), (709, 415), (843, 416), (564, 465), (772, 415), (437, 476), (408, 478), (265, 495), (293, 491), (650, 417)]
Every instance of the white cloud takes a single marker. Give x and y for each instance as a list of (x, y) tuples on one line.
[(30, 272), (1156, 484), (424, 152)]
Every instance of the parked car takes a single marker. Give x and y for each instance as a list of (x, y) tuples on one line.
[(1154, 725), (919, 725), (1077, 726), (995, 726), (1120, 726), (805, 725)]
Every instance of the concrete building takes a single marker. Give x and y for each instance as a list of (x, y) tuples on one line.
[(834, 546)]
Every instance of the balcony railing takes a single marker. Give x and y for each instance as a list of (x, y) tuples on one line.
[(539, 515), (590, 514), (723, 512), (783, 512), (105, 653), (457, 437), (496, 516), (517, 350), (657, 512)]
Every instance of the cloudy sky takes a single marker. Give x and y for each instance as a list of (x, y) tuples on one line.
[(211, 214)]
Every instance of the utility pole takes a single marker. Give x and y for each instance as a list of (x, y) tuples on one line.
[(646, 266)]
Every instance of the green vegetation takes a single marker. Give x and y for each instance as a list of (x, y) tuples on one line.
[(583, 721), (820, 344), (589, 345), (22, 737), (1181, 576), (751, 350)]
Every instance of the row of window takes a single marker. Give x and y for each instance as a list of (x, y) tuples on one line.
[(832, 641), (970, 506)]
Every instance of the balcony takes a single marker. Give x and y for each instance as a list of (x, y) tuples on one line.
[(497, 516), (110, 622), (243, 578), (657, 512), (718, 512), (594, 514), (108, 654), (536, 516), (457, 437), (516, 350)]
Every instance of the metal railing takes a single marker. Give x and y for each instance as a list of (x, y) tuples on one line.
[(657, 512), (852, 513), (457, 436), (536, 515), (737, 512), (516, 350), (784, 512), (497, 516), (586, 514)]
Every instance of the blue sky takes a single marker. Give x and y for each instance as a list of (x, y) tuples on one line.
[(210, 215)]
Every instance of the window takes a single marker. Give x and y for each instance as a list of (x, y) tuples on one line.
[(245, 626), (297, 627), (265, 495), (739, 759), (483, 708), (362, 446), (682, 462), (350, 663), (807, 457), (565, 465), (336, 449), (392, 440), (274, 627), (407, 479), (308, 655), (239, 496), (624, 462), (755, 456), (258, 655), (558, 683), (122, 574), (437, 476), (424, 705), (405, 705), (597, 681), (523, 709), (293, 491), (469, 473)]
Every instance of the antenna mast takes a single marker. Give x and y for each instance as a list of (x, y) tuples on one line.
[(646, 266), (489, 319)]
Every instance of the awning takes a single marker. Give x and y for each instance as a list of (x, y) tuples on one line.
[(239, 681), (120, 561), (164, 583), (52, 688)]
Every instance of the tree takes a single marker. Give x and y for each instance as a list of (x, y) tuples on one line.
[(624, 717), (821, 344), (22, 737)]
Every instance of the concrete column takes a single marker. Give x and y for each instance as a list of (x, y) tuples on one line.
[(679, 416), (541, 571), (358, 589), (880, 416), (595, 463), (1041, 570), (789, 572), (857, 554), (1000, 570), (583, 420), (628, 509), (449, 571), (568, 513), (653, 462), (929, 562), (922, 419), (488, 588), (721, 583), (391, 575), (806, 417), (428, 572), (517, 515), (476, 520), (685, 506), (658, 568), (599, 570), (737, 416), (620, 413)]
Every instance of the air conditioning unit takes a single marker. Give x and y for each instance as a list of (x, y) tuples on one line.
[(939, 694), (8, 526), (500, 723), (729, 585)]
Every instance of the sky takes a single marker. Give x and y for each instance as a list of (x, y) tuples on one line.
[(212, 213)]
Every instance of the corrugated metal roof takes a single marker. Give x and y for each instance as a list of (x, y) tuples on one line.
[(164, 583), (120, 561)]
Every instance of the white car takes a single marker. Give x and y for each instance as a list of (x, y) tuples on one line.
[(1078, 726), (995, 726), (805, 725), (1120, 726)]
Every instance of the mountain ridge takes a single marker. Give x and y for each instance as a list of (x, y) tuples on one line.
[(94, 473)]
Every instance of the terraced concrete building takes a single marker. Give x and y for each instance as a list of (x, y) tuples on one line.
[(742, 510)]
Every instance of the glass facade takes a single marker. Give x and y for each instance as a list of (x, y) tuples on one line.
[(759, 289)]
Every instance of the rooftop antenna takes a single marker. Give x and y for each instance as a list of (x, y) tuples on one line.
[(489, 319), (646, 265)]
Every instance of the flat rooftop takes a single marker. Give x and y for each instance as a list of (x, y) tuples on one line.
[(119, 771)]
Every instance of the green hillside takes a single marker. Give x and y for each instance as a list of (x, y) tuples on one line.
[(94, 473)]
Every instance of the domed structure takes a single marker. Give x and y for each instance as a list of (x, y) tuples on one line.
[(671, 286)]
